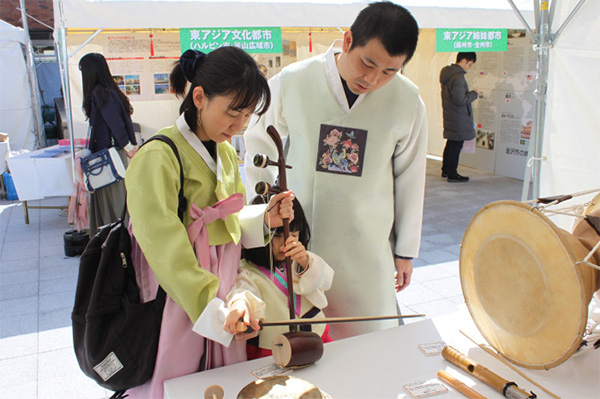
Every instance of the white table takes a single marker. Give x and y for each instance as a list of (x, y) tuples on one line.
[(379, 364), (38, 178)]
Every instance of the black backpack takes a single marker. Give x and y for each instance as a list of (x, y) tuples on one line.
[(115, 337)]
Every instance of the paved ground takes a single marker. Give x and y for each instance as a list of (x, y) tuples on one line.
[(37, 282)]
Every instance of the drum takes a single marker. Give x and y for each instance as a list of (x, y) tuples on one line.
[(522, 285)]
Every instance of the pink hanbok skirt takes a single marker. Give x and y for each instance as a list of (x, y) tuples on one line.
[(180, 350)]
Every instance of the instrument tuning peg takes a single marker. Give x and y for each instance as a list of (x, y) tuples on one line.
[(262, 161), (262, 188)]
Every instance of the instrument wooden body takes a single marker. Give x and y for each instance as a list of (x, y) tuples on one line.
[(297, 348)]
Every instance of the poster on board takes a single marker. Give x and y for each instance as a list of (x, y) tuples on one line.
[(141, 62), (504, 112)]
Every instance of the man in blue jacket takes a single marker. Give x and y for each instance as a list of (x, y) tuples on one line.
[(458, 114)]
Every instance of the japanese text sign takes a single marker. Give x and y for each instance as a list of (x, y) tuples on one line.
[(463, 40), (252, 40)]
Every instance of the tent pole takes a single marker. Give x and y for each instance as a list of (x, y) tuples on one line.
[(89, 39), (33, 82), (542, 45), (524, 21), (541, 89), (63, 58), (575, 10)]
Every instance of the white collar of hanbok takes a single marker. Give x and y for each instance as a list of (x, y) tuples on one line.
[(334, 78), (197, 145)]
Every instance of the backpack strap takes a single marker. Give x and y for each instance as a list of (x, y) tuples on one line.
[(182, 203), (182, 200)]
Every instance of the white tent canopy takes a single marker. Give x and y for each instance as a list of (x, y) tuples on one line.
[(571, 143), (571, 146), (144, 14), (16, 107)]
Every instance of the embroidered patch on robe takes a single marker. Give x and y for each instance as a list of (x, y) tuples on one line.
[(341, 150)]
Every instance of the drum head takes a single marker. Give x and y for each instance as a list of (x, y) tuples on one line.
[(281, 387), (521, 284)]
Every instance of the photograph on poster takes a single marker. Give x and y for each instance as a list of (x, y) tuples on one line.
[(161, 83), (132, 85), (484, 139), (526, 129)]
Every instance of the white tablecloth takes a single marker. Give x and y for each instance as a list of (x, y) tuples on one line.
[(378, 365), (38, 178)]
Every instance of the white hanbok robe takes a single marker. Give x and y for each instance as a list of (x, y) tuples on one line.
[(358, 220)]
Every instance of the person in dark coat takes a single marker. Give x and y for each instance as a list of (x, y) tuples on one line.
[(109, 114), (457, 112)]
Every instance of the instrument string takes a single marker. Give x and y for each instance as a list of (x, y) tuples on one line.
[(270, 245), (561, 212), (586, 260)]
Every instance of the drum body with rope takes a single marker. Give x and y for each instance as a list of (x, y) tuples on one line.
[(522, 285)]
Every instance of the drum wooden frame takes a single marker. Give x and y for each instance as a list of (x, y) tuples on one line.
[(523, 286)]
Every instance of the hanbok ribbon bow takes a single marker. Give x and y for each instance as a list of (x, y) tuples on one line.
[(197, 229)]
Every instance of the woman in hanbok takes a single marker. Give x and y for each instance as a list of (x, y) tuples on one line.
[(197, 260)]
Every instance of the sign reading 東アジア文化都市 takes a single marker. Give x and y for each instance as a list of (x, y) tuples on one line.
[(252, 40), (462, 40)]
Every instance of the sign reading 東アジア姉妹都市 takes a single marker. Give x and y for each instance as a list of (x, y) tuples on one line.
[(252, 40), (462, 40)]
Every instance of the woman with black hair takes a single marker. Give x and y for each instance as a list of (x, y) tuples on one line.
[(108, 111), (197, 260), (261, 285)]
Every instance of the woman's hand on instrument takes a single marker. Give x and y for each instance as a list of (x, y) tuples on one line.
[(404, 271), (279, 208), (240, 315), (295, 250)]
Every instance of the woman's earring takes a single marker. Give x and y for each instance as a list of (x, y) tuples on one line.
[(198, 119)]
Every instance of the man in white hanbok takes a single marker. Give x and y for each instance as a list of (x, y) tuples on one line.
[(356, 133)]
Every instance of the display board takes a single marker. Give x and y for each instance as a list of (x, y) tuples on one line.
[(503, 114), (141, 61)]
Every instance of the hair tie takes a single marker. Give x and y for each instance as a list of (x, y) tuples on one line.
[(189, 61)]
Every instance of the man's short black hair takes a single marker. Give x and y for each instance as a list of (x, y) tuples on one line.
[(469, 56), (391, 24)]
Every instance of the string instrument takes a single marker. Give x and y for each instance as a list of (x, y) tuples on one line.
[(294, 348)]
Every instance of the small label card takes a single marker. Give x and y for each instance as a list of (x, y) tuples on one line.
[(425, 388), (432, 348), (269, 370)]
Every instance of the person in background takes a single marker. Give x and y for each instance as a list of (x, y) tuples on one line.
[(357, 135), (457, 113), (197, 259), (108, 111)]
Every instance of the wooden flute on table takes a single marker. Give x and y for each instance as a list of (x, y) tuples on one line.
[(507, 388)]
